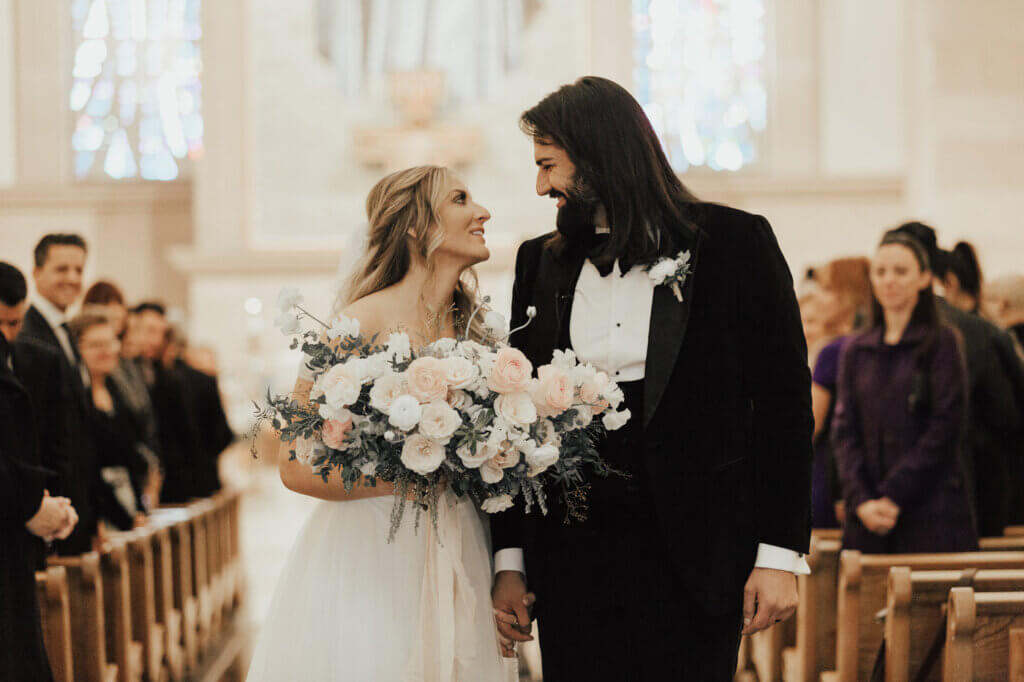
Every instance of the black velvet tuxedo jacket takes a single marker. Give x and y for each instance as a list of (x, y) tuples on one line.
[(727, 408)]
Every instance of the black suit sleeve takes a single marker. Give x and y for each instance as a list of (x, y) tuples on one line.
[(780, 389), (21, 489)]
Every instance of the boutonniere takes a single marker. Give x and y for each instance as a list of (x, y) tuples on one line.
[(671, 271)]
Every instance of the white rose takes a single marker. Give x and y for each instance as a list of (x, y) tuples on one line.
[(499, 503), (469, 349), (491, 473), (566, 359), (340, 385), (460, 372), (444, 346), (485, 361), (339, 412), (399, 347), (374, 366), (495, 323), (288, 322), (540, 459), (405, 412), (439, 421), (613, 421), (344, 328), (517, 408), (582, 374), (421, 454), (662, 270), (385, 390), (288, 298), (460, 400), (471, 461), (613, 394)]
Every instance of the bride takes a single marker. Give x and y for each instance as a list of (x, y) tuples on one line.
[(350, 605)]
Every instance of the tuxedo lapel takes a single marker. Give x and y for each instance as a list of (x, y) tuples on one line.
[(556, 288), (669, 320)]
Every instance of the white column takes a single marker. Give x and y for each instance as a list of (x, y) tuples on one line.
[(8, 125)]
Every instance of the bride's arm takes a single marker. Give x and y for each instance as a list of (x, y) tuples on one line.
[(300, 477)]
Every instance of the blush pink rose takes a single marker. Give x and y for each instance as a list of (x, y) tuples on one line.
[(553, 393), (511, 372), (334, 431), (427, 379)]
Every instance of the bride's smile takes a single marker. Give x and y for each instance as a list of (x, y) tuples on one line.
[(462, 224)]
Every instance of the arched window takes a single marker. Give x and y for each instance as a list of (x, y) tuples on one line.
[(135, 89), (699, 74)]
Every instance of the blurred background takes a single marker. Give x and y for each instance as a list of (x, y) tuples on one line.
[(211, 152)]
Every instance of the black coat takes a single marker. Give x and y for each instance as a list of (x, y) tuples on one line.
[(22, 481), (214, 432), (727, 409), (81, 476), (180, 439)]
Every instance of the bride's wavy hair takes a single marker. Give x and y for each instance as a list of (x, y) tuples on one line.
[(404, 225)]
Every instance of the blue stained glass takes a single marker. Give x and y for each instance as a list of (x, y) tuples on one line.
[(88, 136), (159, 166), (80, 92), (120, 162), (83, 162), (127, 63), (127, 100), (96, 23)]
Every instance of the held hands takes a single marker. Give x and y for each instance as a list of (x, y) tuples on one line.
[(769, 597), (878, 516), (512, 605), (55, 519)]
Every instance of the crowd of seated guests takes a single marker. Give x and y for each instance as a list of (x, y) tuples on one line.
[(918, 396), (102, 419)]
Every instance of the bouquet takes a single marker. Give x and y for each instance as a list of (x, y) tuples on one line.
[(457, 414)]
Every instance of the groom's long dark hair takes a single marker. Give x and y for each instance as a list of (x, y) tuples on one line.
[(616, 152)]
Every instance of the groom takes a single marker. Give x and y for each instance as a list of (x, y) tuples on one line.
[(704, 537)]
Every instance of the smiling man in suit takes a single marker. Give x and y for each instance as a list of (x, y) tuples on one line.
[(703, 538)]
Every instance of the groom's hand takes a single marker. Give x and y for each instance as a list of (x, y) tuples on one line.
[(511, 610), (769, 597)]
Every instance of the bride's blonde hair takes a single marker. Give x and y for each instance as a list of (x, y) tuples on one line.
[(404, 224)]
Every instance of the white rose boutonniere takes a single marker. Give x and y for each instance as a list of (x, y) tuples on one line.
[(671, 271)]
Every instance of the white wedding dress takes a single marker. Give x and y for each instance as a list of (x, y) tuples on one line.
[(351, 606)]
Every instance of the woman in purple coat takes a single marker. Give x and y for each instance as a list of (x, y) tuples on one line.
[(899, 418)]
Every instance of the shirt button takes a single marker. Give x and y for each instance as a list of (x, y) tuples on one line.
[(618, 324)]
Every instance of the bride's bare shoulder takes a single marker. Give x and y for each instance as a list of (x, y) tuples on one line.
[(377, 313)]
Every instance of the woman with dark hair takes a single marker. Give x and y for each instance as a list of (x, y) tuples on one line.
[(107, 299), (961, 277), (899, 419)]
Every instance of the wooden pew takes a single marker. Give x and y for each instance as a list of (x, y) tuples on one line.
[(167, 614), (117, 611), (978, 634), (766, 649), (1012, 531), (1017, 655), (178, 521), (55, 614), (915, 612), (88, 639), (235, 546), (200, 572), (815, 644), (1004, 543), (863, 579), (147, 628)]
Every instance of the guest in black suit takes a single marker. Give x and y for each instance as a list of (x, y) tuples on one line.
[(28, 515), (41, 372), (707, 532), (180, 439), (59, 263)]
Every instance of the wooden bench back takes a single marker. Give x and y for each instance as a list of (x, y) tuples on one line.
[(863, 581), (815, 648), (915, 612), (978, 634), (147, 629), (117, 612), (55, 614), (88, 624)]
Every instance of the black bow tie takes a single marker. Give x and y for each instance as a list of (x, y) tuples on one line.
[(595, 243)]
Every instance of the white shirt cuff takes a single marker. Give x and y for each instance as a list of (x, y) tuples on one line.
[(781, 559), (510, 559)]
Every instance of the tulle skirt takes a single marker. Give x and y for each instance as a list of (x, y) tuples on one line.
[(351, 606)]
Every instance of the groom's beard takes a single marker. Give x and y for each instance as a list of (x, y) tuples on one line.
[(575, 220)]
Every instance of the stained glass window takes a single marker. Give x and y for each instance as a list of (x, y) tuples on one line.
[(698, 71), (135, 90)]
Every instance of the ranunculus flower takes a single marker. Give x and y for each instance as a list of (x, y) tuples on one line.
[(426, 379), (340, 385), (511, 372), (386, 389), (421, 454), (491, 473), (613, 421), (334, 431), (495, 323), (399, 347), (498, 503), (405, 412), (288, 298), (439, 421), (516, 408), (553, 393), (460, 372), (343, 328), (540, 459)]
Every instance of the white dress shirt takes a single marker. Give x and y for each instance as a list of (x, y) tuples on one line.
[(609, 327), (56, 318)]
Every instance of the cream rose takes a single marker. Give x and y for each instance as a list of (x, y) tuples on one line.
[(553, 393), (516, 408), (460, 372), (426, 379), (386, 389), (421, 454), (491, 473), (506, 458), (335, 430), (405, 412), (439, 421), (340, 385), (511, 372), (613, 421), (498, 503), (540, 459), (474, 461)]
